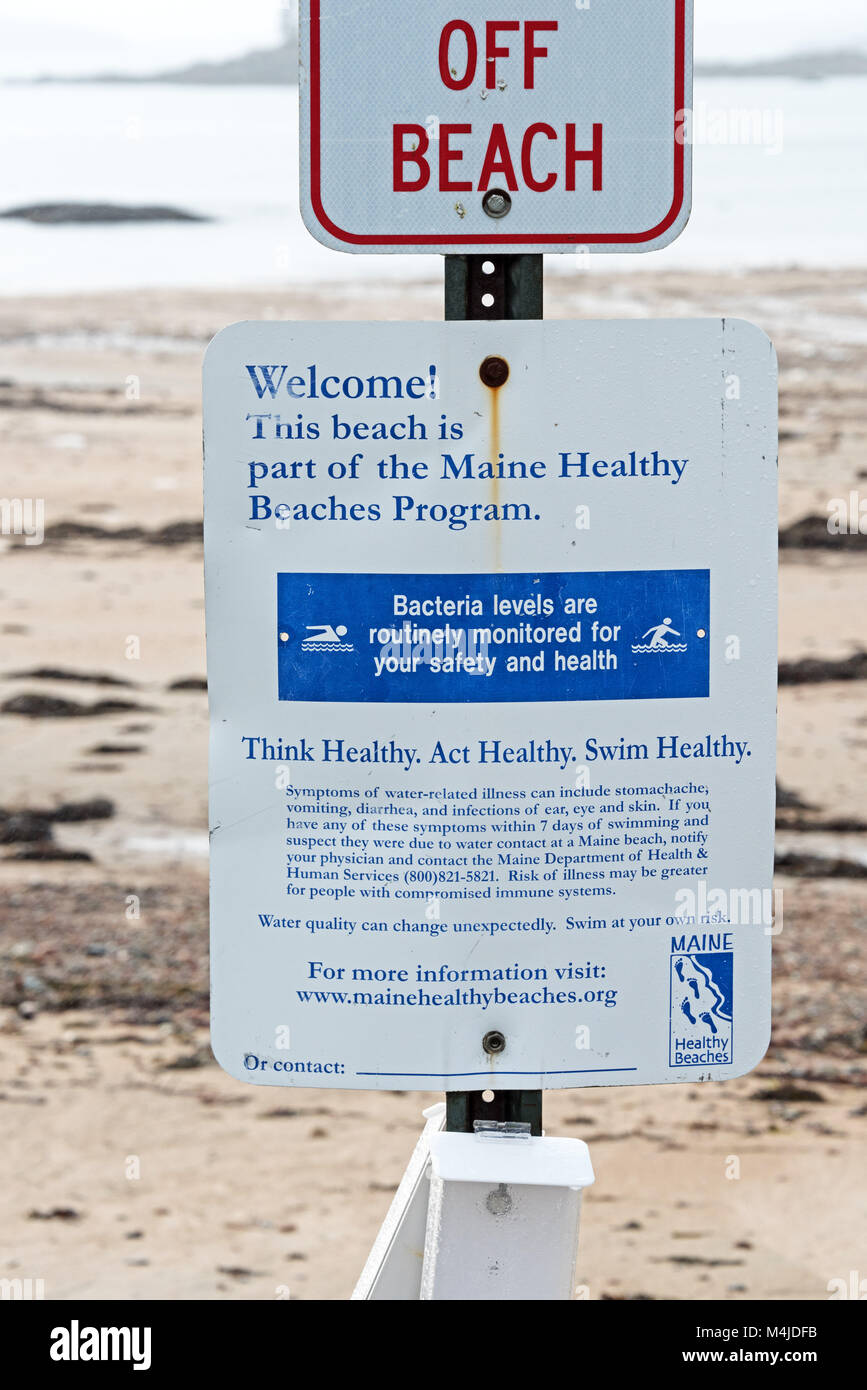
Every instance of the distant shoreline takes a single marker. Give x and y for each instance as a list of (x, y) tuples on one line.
[(279, 67), (808, 67)]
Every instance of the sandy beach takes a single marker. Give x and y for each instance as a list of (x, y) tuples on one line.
[(129, 1155)]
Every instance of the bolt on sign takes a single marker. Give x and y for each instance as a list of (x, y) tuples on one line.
[(491, 615), (465, 128)]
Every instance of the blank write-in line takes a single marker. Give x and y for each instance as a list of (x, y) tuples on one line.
[(445, 1075)]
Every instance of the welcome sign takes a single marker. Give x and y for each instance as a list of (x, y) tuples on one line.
[(492, 674)]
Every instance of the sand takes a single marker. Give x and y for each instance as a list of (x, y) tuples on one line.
[(100, 404)]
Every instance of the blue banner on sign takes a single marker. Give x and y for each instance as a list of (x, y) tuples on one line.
[(477, 638)]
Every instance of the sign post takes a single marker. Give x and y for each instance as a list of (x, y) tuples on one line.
[(492, 288), (492, 632)]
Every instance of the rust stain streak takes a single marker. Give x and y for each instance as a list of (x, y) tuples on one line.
[(494, 373), (494, 393)]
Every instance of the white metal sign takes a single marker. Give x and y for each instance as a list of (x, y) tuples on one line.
[(492, 682), (558, 127)]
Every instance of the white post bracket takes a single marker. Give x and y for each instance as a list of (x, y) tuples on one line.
[(499, 1221), (503, 1214)]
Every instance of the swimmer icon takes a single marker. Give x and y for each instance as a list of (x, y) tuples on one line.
[(325, 638)]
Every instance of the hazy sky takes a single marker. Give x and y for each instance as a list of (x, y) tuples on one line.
[(52, 36)]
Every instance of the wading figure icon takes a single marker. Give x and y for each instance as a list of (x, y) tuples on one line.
[(659, 635)]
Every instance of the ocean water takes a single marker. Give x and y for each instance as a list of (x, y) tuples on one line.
[(780, 179)]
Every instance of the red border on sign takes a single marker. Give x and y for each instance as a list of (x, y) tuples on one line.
[(537, 239)]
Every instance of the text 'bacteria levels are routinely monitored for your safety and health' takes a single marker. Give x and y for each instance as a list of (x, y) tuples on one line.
[(491, 617)]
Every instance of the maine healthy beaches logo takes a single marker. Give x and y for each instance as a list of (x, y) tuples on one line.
[(700, 1029)]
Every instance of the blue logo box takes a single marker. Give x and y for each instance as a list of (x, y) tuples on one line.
[(701, 1009)]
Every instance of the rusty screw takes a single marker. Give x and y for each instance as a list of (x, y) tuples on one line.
[(497, 202), (494, 372), (494, 1042)]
